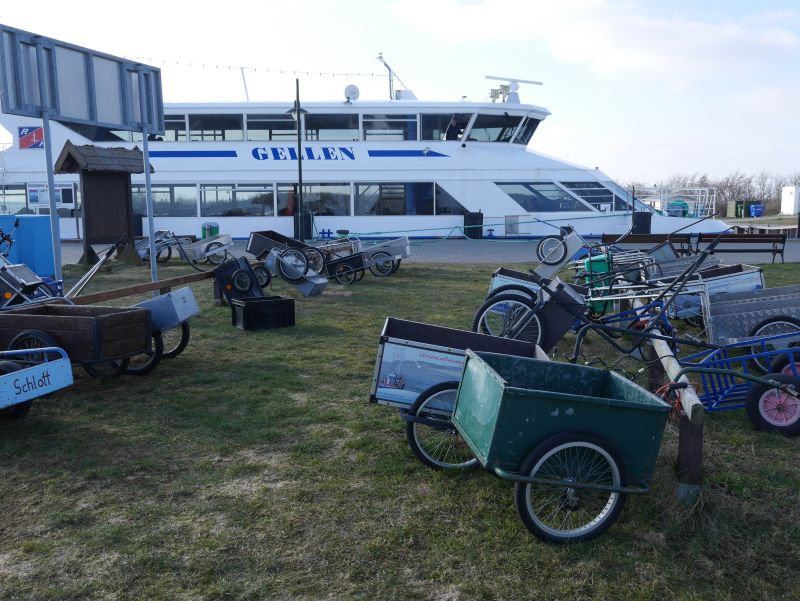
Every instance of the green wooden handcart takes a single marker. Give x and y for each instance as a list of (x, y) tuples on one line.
[(575, 440)]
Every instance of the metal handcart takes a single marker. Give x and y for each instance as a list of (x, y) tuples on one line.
[(27, 374), (213, 250), (575, 440), (384, 257)]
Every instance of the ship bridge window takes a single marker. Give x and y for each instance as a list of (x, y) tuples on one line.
[(168, 201), (331, 127), (174, 128), (449, 126), (394, 199), (526, 132), (544, 197), (493, 128), (271, 127), (205, 128), (597, 195), (320, 199), (390, 127)]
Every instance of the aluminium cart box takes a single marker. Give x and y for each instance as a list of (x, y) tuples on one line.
[(171, 309)]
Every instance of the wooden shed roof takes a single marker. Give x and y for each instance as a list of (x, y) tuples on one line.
[(74, 159)]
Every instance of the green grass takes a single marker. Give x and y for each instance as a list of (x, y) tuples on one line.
[(253, 467)]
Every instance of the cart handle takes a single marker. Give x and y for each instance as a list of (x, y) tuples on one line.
[(628, 490)]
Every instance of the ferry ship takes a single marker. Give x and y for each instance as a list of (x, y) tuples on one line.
[(375, 168)]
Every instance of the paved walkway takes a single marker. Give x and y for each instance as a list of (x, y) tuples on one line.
[(494, 252)]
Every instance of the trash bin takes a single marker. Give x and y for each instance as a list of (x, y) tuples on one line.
[(642, 221), (473, 225), (756, 210), (342, 233), (210, 228)]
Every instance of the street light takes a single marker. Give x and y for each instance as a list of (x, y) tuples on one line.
[(296, 112)]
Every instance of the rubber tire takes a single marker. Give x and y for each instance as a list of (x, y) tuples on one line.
[(315, 259), (153, 357), (163, 255), (263, 276), (20, 410), (782, 365), (395, 266), (215, 259), (513, 288), (242, 281), (39, 337), (754, 395), (412, 430), (106, 369), (360, 274), (758, 365), (529, 334), (541, 451), (298, 255), (381, 264), (345, 275), (171, 353), (553, 254)]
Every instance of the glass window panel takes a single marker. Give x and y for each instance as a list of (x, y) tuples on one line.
[(271, 127), (526, 133), (597, 195), (541, 197), (390, 127), (394, 199), (174, 128), (217, 201), (493, 128), (12, 200), (446, 204), (287, 205), (331, 127), (255, 200), (204, 128), (448, 126), (168, 201)]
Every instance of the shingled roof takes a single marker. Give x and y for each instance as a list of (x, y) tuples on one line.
[(74, 159)]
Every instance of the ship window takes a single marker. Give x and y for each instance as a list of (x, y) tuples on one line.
[(390, 127), (493, 128), (597, 195), (174, 128), (168, 201), (320, 199), (438, 127), (331, 127), (446, 204), (271, 127), (217, 201), (12, 199), (254, 200), (205, 128), (394, 199), (526, 133), (536, 197)]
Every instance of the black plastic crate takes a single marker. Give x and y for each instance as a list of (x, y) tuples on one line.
[(262, 313)]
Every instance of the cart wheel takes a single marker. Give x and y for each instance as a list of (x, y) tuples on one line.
[(263, 276), (33, 339), (292, 265), (345, 275), (504, 315), (562, 514), (381, 264), (315, 259), (175, 340), (360, 274), (106, 369), (772, 409), (515, 289), (437, 443), (19, 410), (783, 365), (140, 365), (216, 254), (163, 254), (241, 280), (551, 250), (771, 327), (395, 266)]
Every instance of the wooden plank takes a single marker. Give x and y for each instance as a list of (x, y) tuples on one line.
[(167, 284)]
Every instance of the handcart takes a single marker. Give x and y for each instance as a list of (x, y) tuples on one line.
[(554, 252), (296, 272), (27, 374), (575, 440), (101, 339), (417, 371), (213, 250), (384, 257)]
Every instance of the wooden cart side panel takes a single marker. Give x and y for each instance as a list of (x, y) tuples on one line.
[(123, 334), (74, 334)]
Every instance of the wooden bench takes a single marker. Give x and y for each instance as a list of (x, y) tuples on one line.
[(745, 243), (684, 244)]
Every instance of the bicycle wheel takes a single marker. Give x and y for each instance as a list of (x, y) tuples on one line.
[(551, 250), (140, 365), (31, 340), (216, 254), (315, 259), (19, 410), (509, 315), (175, 340), (436, 442), (770, 327), (292, 265), (773, 409), (516, 289), (241, 280), (381, 264), (345, 275), (560, 513)]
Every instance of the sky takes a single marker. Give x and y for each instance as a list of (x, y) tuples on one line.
[(643, 89)]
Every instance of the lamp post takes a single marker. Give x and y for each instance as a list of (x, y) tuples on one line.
[(296, 112)]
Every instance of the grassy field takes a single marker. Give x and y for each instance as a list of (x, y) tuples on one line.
[(253, 467)]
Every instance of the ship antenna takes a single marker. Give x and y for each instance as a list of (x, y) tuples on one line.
[(392, 75), (508, 92)]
